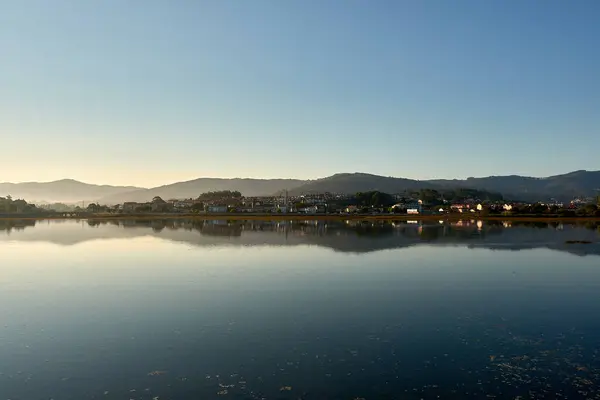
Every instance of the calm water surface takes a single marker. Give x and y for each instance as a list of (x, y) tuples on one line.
[(201, 310)]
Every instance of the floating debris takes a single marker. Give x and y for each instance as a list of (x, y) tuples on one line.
[(285, 389)]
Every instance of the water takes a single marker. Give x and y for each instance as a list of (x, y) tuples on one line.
[(201, 310)]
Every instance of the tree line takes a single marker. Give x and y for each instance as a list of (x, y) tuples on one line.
[(587, 210), (10, 206), (429, 197)]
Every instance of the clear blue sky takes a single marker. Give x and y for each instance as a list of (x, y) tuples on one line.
[(146, 92)]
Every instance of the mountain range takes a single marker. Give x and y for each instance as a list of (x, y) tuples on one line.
[(64, 190), (561, 187)]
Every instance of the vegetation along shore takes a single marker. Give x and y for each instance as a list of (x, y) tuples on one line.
[(455, 204)]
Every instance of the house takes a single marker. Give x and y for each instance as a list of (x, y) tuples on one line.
[(410, 208), (184, 204), (180, 205), (351, 209), (309, 210), (460, 207), (414, 208), (216, 209), (263, 208)]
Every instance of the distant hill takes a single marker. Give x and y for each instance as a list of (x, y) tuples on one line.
[(63, 191), (561, 187), (360, 182), (194, 188)]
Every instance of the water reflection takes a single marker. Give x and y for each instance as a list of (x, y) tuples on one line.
[(190, 309), (348, 236)]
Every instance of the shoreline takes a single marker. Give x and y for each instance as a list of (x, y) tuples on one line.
[(311, 217)]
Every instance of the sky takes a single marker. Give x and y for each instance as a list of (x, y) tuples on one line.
[(150, 92)]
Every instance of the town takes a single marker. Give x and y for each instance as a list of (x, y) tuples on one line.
[(423, 202)]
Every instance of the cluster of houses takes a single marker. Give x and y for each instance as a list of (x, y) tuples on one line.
[(322, 203), (309, 204), (314, 204)]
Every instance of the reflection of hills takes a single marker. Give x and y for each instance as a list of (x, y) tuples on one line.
[(356, 237)]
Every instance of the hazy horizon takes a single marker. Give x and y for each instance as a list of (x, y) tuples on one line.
[(150, 93), (124, 183), (272, 178)]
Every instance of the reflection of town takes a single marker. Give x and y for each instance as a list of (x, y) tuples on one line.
[(350, 236)]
